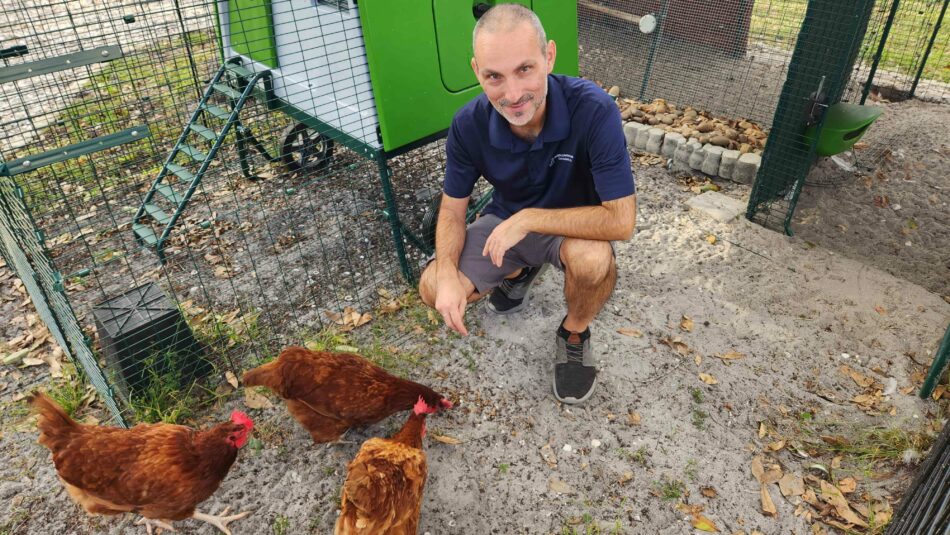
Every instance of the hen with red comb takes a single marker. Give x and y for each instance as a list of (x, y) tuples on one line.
[(330, 392)]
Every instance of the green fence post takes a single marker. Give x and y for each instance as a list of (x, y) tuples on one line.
[(826, 49), (930, 45), (938, 366), (880, 50)]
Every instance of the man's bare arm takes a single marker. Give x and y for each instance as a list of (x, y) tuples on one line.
[(450, 235), (612, 220), (451, 297)]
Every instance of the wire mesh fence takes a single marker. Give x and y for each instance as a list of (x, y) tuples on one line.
[(285, 231), (200, 180)]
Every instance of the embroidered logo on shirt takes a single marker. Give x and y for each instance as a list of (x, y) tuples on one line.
[(562, 157)]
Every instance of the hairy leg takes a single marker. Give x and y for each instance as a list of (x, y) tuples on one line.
[(590, 274)]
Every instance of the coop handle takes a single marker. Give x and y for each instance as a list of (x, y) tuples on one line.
[(13, 51)]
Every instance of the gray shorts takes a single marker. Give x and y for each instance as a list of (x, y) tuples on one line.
[(534, 250)]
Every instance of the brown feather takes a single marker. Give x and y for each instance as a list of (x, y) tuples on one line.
[(157, 470), (384, 485), (336, 391)]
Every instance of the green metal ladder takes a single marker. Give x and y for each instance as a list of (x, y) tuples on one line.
[(194, 129)]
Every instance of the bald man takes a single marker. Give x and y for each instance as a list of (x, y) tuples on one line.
[(553, 148)]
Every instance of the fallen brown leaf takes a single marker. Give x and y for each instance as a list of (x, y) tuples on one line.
[(767, 506), (708, 379), (847, 485), (730, 355), (633, 418), (231, 379), (559, 486), (445, 439), (702, 523), (629, 331), (708, 492), (686, 324), (791, 485), (836, 499), (253, 400)]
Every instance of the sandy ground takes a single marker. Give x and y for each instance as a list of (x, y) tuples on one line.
[(894, 214), (796, 312), (796, 309)]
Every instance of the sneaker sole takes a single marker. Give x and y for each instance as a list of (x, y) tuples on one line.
[(572, 400), (524, 300)]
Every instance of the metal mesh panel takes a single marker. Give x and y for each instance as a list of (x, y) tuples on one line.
[(727, 57), (290, 224), (25, 253)]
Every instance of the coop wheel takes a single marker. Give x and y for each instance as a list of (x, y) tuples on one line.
[(304, 149)]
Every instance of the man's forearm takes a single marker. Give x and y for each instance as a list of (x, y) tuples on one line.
[(603, 223), (449, 240)]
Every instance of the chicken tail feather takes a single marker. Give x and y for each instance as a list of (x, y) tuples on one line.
[(54, 423)]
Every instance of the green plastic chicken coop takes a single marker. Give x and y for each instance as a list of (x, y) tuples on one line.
[(380, 77)]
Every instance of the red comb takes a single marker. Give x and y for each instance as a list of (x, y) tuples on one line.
[(240, 418), (421, 407)]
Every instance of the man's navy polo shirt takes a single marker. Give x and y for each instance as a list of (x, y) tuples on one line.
[(579, 159)]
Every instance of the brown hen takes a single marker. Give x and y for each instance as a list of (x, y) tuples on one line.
[(384, 482), (330, 392), (160, 471)]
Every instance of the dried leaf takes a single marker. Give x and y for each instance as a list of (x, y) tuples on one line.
[(629, 331), (708, 492), (833, 496), (708, 379), (859, 378), (547, 453), (676, 344), (16, 357), (633, 418), (711, 239), (32, 361), (847, 485), (767, 506), (702, 523), (445, 439), (253, 400), (731, 355), (773, 474), (698, 359), (762, 430), (757, 469), (791, 485), (559, 486), (880, 310), (231, 379), (686, 324), (777, 445)]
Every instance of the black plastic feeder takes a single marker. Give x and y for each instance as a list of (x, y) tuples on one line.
[(143, 335)]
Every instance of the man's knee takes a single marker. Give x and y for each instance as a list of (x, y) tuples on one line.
[(587, 259)]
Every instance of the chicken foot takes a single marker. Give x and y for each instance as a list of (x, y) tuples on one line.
[(153, 523), (220, 521)]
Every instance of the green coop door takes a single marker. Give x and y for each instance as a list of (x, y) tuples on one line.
[(251, 30), (454, 23)]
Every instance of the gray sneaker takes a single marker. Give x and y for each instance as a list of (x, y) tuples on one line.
[(512, 294), (575, 374)]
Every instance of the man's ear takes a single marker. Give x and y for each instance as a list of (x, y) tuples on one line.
[(475, 67), (551, 55)]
